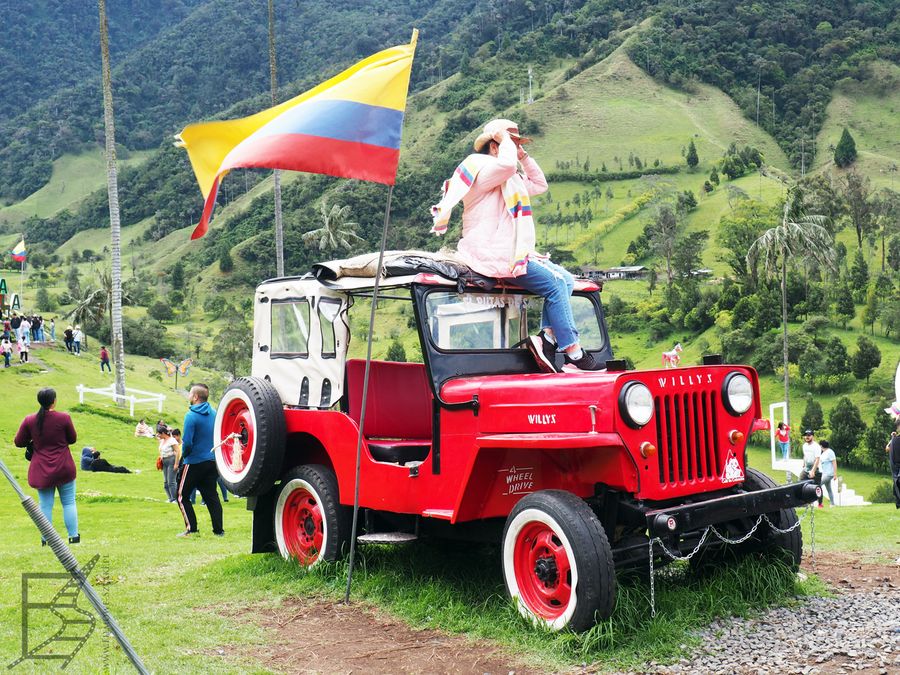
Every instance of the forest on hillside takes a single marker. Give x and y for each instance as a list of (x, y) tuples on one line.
[(787, 57)]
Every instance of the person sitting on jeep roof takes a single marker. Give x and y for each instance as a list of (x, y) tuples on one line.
[(498, 236)]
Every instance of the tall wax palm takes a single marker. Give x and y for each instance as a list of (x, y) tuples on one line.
[(336, 231), (279, 223), (112, 185), (798, 234)]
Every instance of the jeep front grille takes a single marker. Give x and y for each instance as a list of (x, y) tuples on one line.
[(686, 429)]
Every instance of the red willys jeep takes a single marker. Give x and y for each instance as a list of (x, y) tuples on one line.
[(571, 473)]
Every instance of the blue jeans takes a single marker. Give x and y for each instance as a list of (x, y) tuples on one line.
[(67, 499), (785, 449), (826, 481), (106, 365), (555, 285)]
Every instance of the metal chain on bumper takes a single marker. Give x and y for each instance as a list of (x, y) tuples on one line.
[(763, 517)]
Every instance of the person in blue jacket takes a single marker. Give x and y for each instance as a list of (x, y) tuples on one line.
[(199, 463)]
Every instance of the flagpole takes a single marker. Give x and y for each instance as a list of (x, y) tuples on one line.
[(365, 394), (22, 280)]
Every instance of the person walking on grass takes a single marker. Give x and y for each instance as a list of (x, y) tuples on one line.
[(23, 349), (104, 359), (498, 237), (827, 464), (199, 462), (77, 338), (51, 470), (893, 450), (6, 348), (52, 326), (167, 453), (811, 451)]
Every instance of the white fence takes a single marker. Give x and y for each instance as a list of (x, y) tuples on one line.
[(131, 396)]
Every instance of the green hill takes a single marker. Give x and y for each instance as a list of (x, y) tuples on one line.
[(74, 177), (870, 110)]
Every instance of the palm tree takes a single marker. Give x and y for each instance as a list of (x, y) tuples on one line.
[(93, 304), (798, 234), (279, 226), (336, 231), (112, 184)]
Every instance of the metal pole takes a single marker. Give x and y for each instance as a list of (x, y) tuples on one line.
[(365, 395), (68, 561)]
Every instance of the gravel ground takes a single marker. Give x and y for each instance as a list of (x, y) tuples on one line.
[(853, 632)]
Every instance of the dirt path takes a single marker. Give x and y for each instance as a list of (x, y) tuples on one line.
[(853, 572), (315, 636)]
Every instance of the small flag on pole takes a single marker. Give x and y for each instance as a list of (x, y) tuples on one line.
[(18, 253), (348, 126)]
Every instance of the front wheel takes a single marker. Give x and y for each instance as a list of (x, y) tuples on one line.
[(557, 562), (764, 542), (310, 523), (790, 543)]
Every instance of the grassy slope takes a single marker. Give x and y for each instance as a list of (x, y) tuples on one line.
[(74, 178), (627, 111), (871, 112)]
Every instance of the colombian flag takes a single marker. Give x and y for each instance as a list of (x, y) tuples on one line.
[(348, 126), (18, 253)]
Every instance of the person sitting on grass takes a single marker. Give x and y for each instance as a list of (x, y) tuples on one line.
[(142, 429)]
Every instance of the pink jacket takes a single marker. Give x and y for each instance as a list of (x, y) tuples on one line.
[(488, 231)]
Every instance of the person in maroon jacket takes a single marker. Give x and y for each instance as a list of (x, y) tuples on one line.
[(52, 468)]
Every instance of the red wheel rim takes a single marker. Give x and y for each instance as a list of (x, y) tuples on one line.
[(302, 525), (543, 571), (238, 420)]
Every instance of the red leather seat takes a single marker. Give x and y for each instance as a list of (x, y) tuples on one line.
[(399, 409)]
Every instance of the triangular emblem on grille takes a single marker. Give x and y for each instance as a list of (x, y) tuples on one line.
[(733, 472)]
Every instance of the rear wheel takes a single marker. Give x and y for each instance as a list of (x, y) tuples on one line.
[(310, 523), (557, 562), (252, 412)]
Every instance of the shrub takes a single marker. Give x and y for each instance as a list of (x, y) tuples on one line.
[(847, 428), (845, 151), (813, 418), (396, 352), (882, 494), (159, 311)]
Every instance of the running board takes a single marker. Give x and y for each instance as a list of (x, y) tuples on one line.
[(390, 538)]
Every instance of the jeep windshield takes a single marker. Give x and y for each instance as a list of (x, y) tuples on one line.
[(479, 321)]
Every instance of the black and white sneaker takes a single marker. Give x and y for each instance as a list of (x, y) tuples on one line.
[(544, 352), (585, 364)]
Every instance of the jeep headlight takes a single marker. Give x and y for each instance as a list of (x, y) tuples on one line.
[(636, 404), (737, 393)]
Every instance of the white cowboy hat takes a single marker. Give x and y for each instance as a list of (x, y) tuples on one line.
[(493, 127)]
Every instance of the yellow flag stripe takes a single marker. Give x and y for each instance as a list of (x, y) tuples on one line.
[(381, 79)]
